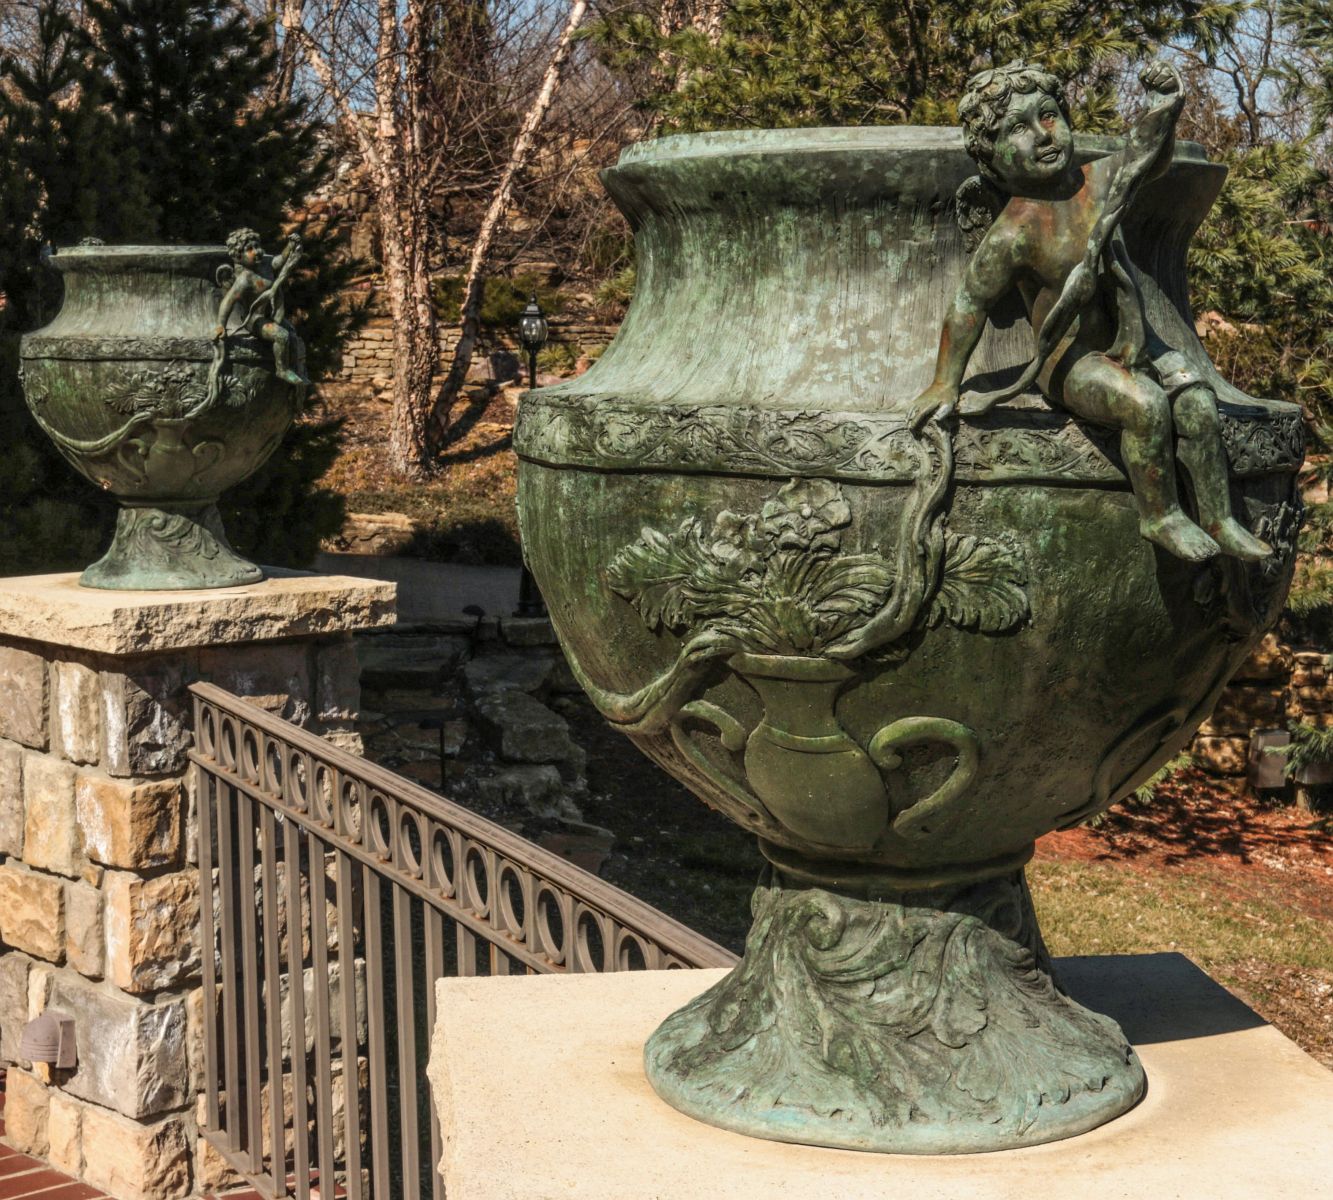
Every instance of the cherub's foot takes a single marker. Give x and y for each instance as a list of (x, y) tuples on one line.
[(1176, 533), (1239, 542), (293, 377)]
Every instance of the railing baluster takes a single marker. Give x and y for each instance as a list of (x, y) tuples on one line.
[(292, 841), (319, 954), (253, 1087), (231, 990), (350, 1043), (407, 1043), (434, 973), (375, 1007), (277, 1104), (204, 786)]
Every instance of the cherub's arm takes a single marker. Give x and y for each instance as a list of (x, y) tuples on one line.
[(1152, 140), (293, 246), (990, 274), (234, 294)]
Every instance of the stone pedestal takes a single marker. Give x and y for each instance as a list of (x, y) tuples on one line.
[(99, 892), (1234, 1109)]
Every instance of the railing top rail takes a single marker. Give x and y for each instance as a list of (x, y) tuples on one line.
[(678, 939)]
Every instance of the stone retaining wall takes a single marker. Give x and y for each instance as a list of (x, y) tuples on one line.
[(99, 891)]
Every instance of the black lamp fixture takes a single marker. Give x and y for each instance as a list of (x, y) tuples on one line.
[(532, 331)]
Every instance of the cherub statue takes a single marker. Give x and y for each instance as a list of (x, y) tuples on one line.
[(260, 284), (1043, 225)]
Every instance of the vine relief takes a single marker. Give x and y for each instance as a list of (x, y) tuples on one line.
[(1022, 445)]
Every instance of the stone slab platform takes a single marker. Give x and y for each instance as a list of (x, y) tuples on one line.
[(541, 1094), (286, 604)]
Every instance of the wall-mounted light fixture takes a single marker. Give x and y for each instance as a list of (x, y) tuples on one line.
[(49, 1039)]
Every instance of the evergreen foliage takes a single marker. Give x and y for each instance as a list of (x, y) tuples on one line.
[(155, 122), (781, 63)]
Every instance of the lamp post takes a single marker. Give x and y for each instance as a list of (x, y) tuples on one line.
[(532, 331)]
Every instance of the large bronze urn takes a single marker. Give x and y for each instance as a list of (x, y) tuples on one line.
[(151, 399), (898, 652)]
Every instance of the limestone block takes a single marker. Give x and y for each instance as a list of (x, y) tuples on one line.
[(1269, 660), (527, 631), (131, 824), (212, 1173), (84, 941), (535, 788), (1222, 755), (132, 1055), (273, 675), (27, 1113), (76, 712), (11, 799), (134, 1161), (522, 729), (1242, 709), (65, 1133), (152, 930), (40, 977), (13, 1003), (32, 912), (23, 697), (146, 716), (287, 604), (494, 673), (337, 683), (51, 831)]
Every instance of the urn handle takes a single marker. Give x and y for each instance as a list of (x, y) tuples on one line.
[(919, 820)]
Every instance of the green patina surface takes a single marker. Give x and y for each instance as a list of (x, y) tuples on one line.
[(896, 648), (146, 394)]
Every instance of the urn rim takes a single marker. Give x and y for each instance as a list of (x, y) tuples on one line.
[(160, 257)]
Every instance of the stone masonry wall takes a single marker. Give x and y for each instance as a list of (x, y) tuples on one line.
[(1276, 686), (99, 893)]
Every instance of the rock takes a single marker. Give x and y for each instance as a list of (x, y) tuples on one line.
[(588, 846), (337, 683), (14, 969), (84, 941), (32, 912), (276, 677), (287, 604), (23, 696), (1222, 755), (27, 1113), (152, 930), (490, 674), (527, 631), (522, 729), (146, 718), (129, 824), (132, 1055), (76, 712), (538, 790), (134, 1161), (408, 660), (376, 533), (11, 799), (213, 1174), (1242, 709), (1270, 660), (65, 1134), (51, 838)]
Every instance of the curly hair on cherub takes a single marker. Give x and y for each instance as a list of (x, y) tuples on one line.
[(240, 240), (986, 100)]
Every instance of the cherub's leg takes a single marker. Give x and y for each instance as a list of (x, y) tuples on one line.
[(1202, 453), (1106, 392), (282, 351)]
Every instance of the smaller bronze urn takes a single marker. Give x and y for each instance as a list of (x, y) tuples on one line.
[(142, 387)]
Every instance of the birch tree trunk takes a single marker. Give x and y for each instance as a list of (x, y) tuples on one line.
[(475, 279)]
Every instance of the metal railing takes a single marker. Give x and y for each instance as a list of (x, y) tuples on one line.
[(334, 894)]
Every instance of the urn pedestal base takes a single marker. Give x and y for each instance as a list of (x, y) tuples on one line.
[(169, 547), (926, 1022)]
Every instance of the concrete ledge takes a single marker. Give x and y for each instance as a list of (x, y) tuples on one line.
[(540, 1090), (288, 604)]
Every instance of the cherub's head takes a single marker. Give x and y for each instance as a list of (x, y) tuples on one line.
[(245, 247), (1016, 125)]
